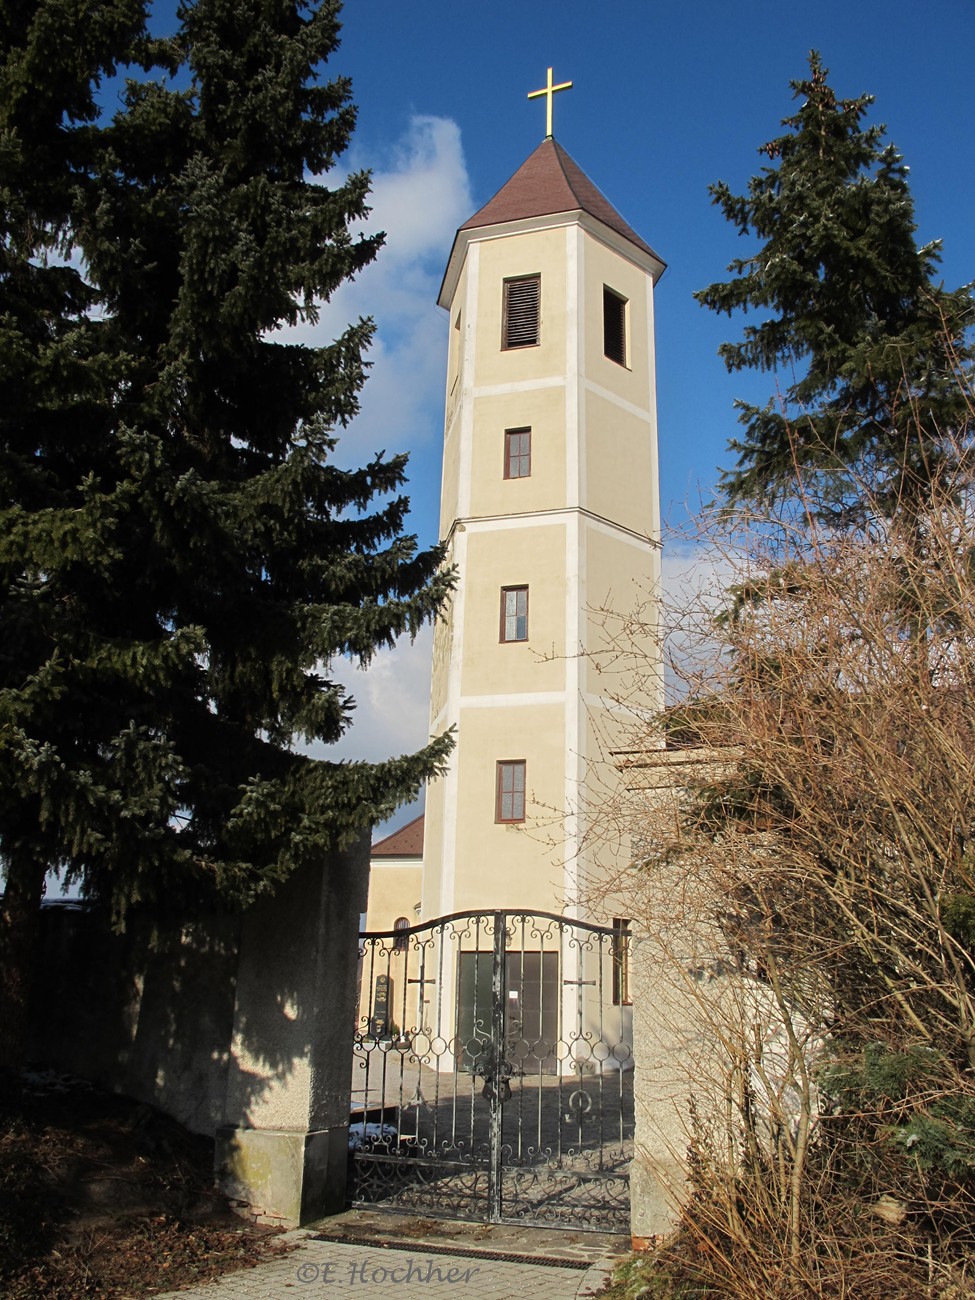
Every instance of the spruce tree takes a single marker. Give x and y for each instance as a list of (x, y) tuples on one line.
[(181, 561), (866, 344)]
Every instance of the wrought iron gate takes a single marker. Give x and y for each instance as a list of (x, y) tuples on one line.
[(492, 1071)]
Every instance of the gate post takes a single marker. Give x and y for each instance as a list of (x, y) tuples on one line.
[(680, 991), (282, 1152)]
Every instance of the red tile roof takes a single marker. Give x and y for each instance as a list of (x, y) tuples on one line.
[(407, 842), (549, 181)]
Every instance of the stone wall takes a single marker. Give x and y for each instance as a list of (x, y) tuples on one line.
[(290, 1072), (151, 1021), (240, 1026)]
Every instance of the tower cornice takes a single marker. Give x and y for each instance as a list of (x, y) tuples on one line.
[(648, 262), (543, 518)]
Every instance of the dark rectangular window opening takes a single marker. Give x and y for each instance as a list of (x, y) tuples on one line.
[(533, 995), (621, 962), (514, 613), (519, 321), (510, 795), (517, 453), (614, 326)]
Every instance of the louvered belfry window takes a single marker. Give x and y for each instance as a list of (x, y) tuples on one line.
[(614, 326), (519, 325)]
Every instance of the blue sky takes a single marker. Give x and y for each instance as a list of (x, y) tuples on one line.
[(666, 98)]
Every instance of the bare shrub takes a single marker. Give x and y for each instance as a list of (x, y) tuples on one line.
[(820, 779)]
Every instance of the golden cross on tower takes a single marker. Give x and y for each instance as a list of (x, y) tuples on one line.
[(548, 90)]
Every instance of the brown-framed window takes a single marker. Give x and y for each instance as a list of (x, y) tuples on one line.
[(510, 796), (514, 613), (520, 314), (399, 925), (621, 961), (614, 325), (517, 453)]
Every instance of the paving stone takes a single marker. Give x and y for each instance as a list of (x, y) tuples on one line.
[(370, 1270)]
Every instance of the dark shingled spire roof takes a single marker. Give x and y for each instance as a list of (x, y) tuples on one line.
[(549, 182)]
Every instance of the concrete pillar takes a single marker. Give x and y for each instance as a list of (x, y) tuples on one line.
[(660, 1097), (680, 1000), (282, 1151)]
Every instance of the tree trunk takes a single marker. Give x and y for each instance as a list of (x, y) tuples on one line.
[(20, 913)]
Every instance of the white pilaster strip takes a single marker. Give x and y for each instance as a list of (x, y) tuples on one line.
[(575, 584), (652, 412), (448, 860), (519, 386), (511, 699), (656, 534), (455, 655), (573, 320), (466, 429)]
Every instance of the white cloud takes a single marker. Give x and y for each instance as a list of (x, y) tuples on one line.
[(419, 198), (694, 573), (392, 702), (424, 194), (420, 195), (694, 579)]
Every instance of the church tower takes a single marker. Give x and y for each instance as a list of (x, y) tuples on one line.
[(550, 509)]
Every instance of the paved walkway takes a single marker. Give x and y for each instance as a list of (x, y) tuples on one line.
[(475, 1264)]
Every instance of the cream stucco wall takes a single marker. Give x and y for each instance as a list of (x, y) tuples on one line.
[(501, 865), (435, 857), (618, 464), (513, 556), (623, 581), (449, 498), (443, 635), (395, 885), (543, 411)]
